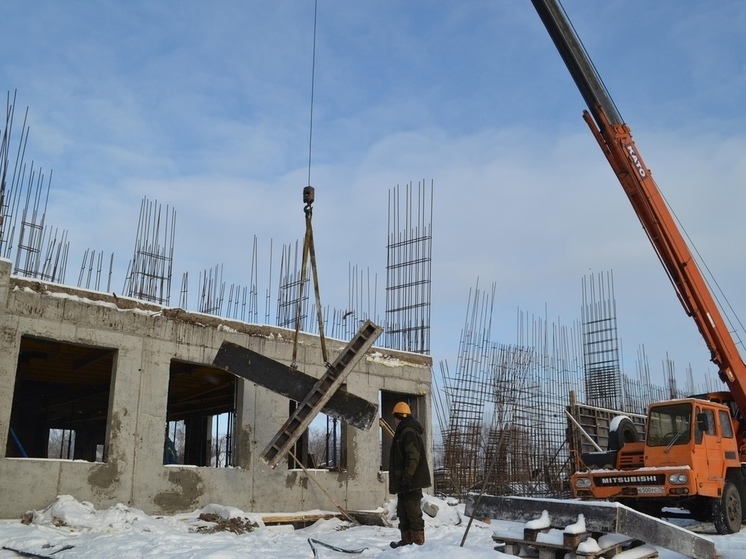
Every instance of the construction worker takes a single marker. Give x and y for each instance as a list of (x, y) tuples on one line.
[(408, 475)]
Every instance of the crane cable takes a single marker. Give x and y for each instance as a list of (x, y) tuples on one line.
[(309, 252), (313, 82)]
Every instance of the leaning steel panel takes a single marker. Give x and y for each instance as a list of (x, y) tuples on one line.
[(604, 517)]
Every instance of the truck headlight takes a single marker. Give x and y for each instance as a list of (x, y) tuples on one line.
[(678, 479), (583, 482)]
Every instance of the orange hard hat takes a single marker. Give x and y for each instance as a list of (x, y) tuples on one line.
[(402, 408)]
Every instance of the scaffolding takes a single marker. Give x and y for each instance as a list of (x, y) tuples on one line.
[(211, 291), (408, 269), (92, 269), (290, 308), (10, 176), (41, 251), (600, 342), (503, 426), (468, 395), (149, 272), (514, 438)]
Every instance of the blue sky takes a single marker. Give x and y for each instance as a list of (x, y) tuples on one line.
[(205, 107)]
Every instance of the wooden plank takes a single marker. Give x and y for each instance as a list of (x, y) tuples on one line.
[(531, 540), (297, 518), (572, 540), (530, 543), (366, 518)]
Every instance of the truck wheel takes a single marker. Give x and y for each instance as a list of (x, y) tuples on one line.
[(726, 510)]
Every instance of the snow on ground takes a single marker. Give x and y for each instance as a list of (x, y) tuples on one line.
[(70, 529)]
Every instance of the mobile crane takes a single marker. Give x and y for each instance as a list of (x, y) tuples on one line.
[(693, 454)]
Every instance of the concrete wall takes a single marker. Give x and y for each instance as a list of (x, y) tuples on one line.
[(147, 338)]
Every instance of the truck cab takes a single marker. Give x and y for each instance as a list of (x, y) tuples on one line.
[(689, 459)]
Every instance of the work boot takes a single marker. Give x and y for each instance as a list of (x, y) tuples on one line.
[(418, 536), (406, 539)]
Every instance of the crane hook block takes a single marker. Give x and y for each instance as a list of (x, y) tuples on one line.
[(308, 193)]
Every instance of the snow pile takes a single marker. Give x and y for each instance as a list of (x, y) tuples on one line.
[(540, 523), (578, 527), (437, 512), (588, 546), (448, 512), (66, 512), (76, 516), (68, 529)]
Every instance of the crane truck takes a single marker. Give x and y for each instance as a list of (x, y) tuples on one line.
[(692, 456)]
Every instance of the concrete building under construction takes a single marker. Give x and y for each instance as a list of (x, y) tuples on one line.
[(105, 375), (126, 399)]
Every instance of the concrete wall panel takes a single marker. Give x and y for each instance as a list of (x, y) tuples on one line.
[(27, 484)]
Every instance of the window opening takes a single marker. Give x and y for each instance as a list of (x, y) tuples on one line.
[(173, 447), (201, 416), (222, 440), (322, 446), (325, 442), (61, 398)]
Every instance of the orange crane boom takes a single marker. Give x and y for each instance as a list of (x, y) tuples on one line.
[(615, 139), (693, 456)]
